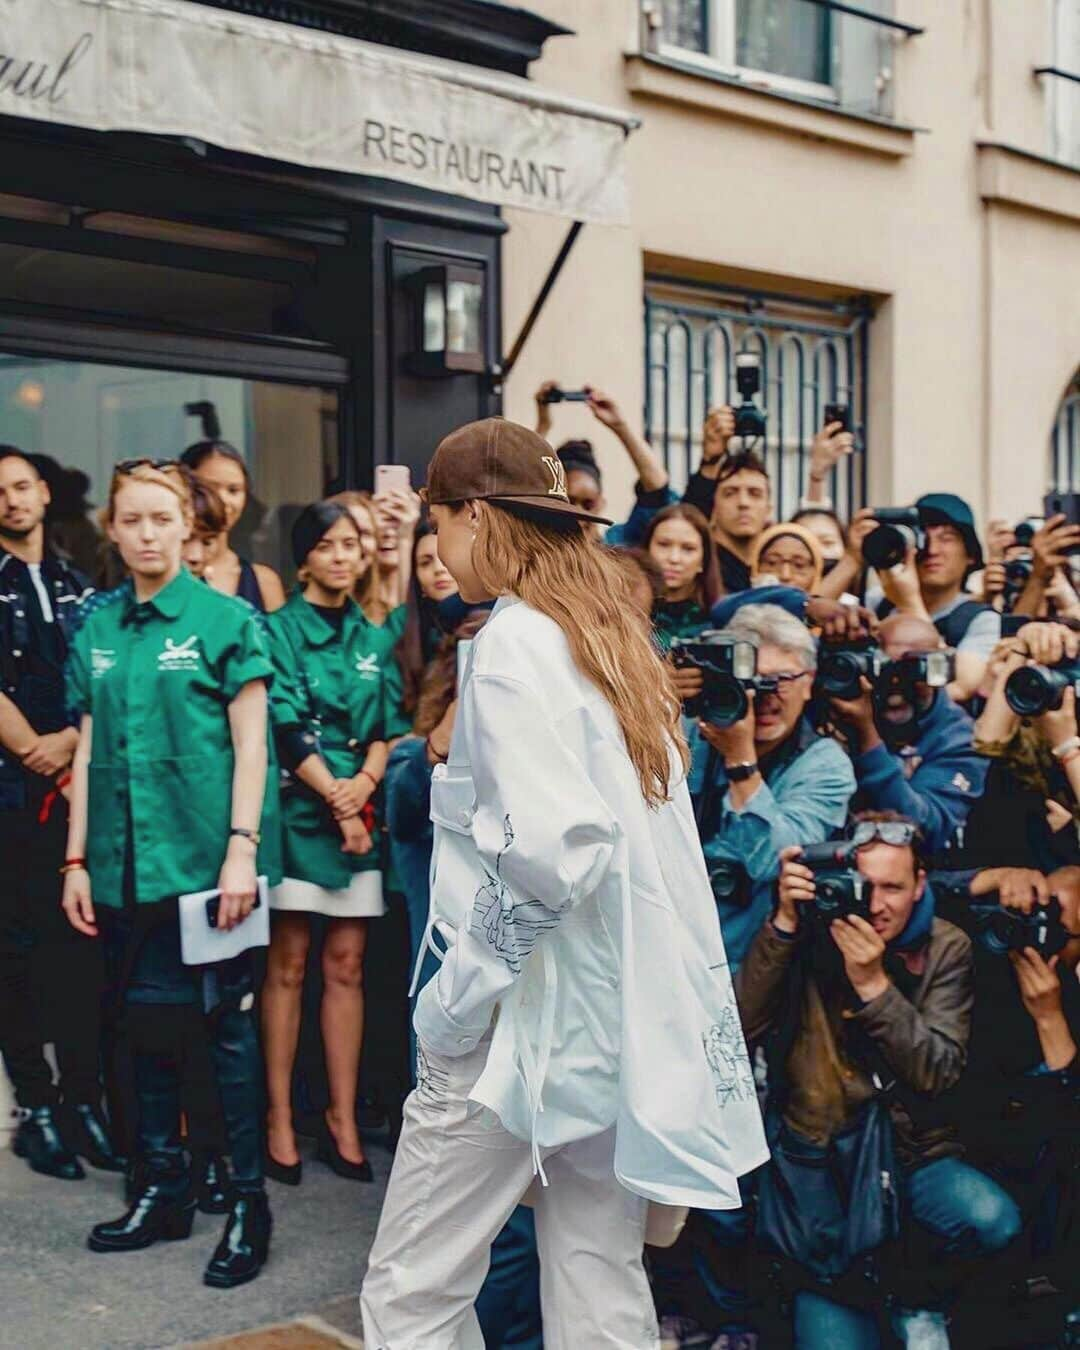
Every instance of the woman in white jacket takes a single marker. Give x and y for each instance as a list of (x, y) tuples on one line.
[(582, 1028)]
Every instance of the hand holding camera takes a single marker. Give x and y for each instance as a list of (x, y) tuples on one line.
[(719, 429), (900, 581), (795, 888), (733, 742), (858, 713), (1050, 546)]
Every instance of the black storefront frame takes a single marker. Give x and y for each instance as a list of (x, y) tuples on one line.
[(354, 224)]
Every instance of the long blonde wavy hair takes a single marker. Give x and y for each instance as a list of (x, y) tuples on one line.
[(570, 578)]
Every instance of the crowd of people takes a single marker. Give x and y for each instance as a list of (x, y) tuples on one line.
[(883, 762)]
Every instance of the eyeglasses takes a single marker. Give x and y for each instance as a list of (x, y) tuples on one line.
[(898, 833), (130, 465)]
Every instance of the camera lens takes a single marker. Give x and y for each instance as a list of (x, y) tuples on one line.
[(1033, 690), (838, 675), (887, 546), (725, 700)]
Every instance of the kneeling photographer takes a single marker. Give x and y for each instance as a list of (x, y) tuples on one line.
[(1028, 732), (912, 746), (761, 777), (1019, 1101), (862, 999)]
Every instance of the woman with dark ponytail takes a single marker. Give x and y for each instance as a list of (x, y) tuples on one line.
[(335, 704)]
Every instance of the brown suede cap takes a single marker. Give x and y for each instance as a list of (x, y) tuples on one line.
[(504, 463)]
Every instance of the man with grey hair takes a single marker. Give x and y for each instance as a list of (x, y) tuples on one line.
[(761, 785), (769, 780)]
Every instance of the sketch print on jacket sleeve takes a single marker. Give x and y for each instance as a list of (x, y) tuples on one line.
[(511, 927), (726, 1053)]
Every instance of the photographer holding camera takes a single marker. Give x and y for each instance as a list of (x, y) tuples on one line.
[(923, 557), (912, 746), (862, 998), (766, 780), (1046, 562), (1019, 1100)]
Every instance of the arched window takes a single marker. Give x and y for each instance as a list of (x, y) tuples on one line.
[(1065, 441)]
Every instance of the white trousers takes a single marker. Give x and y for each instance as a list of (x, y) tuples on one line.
[(456, 1179)]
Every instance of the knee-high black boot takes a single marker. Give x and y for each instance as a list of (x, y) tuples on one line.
[(245, 1244), (163, 1207)]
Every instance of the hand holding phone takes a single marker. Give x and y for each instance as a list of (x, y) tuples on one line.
[(392, 478)]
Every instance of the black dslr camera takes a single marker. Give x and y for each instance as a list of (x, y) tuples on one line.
[(1000, 930), (749, 419), (1033, 690), (898, 529), (841, 887), (841, 667), (729, 668)]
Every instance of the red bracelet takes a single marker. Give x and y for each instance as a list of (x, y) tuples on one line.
[(370, 777), (63, 781)]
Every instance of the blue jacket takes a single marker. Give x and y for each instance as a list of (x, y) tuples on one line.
[(408, 821), (946, 775), (803, 800), (631, 533)]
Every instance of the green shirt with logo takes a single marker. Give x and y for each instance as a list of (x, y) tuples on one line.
[(342, 689), (157, 678)]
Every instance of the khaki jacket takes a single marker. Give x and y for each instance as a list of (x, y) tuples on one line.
[(921, 1033)]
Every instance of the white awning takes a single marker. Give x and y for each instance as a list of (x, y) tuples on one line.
[(173, 68)]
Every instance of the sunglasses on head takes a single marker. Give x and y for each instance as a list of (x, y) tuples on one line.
[(898, 833), (130, 465)]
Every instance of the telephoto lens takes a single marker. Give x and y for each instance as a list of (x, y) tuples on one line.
[(1034, 690)]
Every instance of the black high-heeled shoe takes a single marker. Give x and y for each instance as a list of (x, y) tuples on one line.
[(285, 1174), (327, 1151)]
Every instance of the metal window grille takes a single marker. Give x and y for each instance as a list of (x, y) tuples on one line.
[(811, 353), (1065, 442)]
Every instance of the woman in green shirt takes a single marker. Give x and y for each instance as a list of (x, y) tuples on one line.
[(170, 794), (335, 704)]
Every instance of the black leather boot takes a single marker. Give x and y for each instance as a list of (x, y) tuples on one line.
[(39, 1141), (213, 1193), (91, 1139), (244, 1245), (160, 1214)]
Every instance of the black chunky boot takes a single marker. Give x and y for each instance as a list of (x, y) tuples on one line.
[(159, 1214), (91, 1139), (244, 1245), (210, 1175), (40, 1142)]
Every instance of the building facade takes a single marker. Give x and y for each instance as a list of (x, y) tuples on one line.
[(883, 198)]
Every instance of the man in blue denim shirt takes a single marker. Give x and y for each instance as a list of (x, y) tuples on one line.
[(766, 782)]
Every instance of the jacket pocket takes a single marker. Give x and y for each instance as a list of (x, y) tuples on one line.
[(453, 801)]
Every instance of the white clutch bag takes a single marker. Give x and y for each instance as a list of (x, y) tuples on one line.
[(202, 943)]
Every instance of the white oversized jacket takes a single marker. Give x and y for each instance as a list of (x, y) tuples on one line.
[(586, 919)]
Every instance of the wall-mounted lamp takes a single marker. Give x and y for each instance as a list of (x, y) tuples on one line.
[(448, 308)]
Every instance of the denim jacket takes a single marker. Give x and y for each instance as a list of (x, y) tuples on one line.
[(803, 800)]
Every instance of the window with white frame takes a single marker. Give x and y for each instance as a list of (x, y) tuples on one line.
[(1063, 92), (803, 48), (787, 40)]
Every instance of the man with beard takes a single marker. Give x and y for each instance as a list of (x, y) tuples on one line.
[(911, 745), (50, 977)]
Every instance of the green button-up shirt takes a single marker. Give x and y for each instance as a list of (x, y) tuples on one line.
[(343, 691), (157, 678)]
